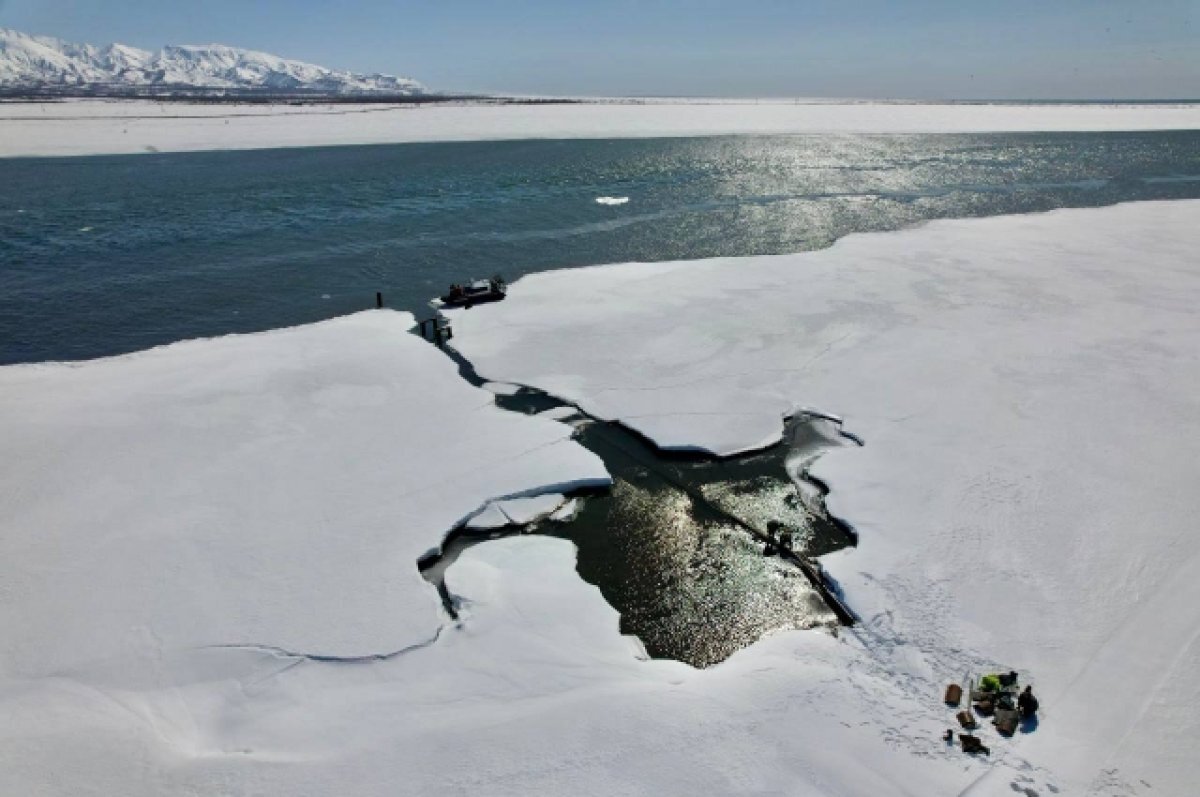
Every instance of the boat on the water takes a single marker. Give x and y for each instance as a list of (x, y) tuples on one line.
[(475, 292)]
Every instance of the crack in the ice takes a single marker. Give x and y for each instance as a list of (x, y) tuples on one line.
[(676, 412), (326, 658), (828, 588), (828, 348)]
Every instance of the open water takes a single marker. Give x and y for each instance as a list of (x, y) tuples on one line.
[(104, 255)]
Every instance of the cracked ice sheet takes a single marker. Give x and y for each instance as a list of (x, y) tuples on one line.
[(535, 693), (516, 511), (1027, 390), (273, 489)]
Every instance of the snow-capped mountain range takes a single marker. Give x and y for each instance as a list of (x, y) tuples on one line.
[(42, 61)]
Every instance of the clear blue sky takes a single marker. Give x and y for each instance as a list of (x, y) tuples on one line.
[(864, 48)]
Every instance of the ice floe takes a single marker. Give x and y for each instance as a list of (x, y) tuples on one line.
[(500, 388), (567, 511), (558, 413), (516, 511)]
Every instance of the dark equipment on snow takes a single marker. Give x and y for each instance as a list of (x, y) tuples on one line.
[(971, 744), (1027, 703), (477, 292), (1006, 721)]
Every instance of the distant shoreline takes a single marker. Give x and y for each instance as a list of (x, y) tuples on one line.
[(58, 126), (256, 97), (228, 96)]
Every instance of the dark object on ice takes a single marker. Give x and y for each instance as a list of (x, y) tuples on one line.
[(436, 329), (1006, 721), (966, 719), (771, 548), (1008, 679), (985, 707), (378, 299), (971, 744), (476, 292), (953, 695), (948, 736), (781, 537), (1027, 703)]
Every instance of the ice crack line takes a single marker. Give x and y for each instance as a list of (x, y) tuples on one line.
[(323, 658)]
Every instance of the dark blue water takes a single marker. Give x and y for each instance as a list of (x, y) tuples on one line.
[(105, 255)]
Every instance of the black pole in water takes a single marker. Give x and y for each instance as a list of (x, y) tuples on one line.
[(378, 299)]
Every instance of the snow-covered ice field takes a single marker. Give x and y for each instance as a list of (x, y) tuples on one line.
[(91, 127), (1027, 390), (207, 555)]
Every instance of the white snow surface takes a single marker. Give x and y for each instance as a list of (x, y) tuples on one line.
[(501, 389), (90, 127), (273, 489), (1027, 388), (33, 61), (534, 692)]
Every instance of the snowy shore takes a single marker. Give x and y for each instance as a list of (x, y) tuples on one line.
[(93, 127), (208, 549)]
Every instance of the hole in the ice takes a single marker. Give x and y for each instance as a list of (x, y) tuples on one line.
[(687, 546), (696, 553)]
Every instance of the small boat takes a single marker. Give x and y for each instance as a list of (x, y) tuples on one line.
[(475, 292)]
